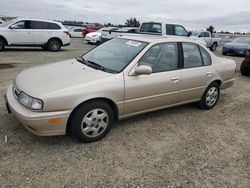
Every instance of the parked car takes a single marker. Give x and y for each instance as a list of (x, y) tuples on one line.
[(211, 42), (118, 32), (245, 65), (237, 46), (49, 35), (155, 28), (76, 32), (123, 77), (87, 30), (95, 37)]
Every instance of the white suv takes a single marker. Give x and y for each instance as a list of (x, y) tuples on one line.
[(32, 32)]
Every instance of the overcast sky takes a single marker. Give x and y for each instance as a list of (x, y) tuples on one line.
[(193, 14)]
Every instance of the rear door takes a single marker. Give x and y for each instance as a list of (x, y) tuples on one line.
[(43, 31), (20, 33), (159, 89), (197, 72)]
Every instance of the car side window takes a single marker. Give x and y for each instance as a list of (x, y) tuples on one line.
[(161, 57), (180, 31), (206, 57), (39, 25), (192, 56), (206, 34), (201, 34), (22, 25), (77, 30), (54, 26)]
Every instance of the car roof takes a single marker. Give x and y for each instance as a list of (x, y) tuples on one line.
[(158, 38), (41, 20)]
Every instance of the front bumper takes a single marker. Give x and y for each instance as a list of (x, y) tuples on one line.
[(37, 122), (92, 39), (234, 51)]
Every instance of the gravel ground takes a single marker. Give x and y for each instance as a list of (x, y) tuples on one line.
[(178, 147)]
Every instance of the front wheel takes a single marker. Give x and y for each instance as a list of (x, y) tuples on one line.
[(91, 121), (2, 45), (54, 45), (210, 96)]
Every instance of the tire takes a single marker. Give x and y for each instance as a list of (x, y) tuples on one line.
[(91, 121), (54, 45), (210, 96), (244, 69), (224, 53), (214, 47), (2, 44)]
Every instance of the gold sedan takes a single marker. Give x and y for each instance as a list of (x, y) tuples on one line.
[(123, 77)]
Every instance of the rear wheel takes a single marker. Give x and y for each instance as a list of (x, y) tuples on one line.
[(210, 96), (2, 44), (54, 45), (91, 121), (244, 68)]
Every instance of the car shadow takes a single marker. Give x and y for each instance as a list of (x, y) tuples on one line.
[(28, 50)]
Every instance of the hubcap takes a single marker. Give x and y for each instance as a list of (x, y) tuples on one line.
[(54, 45), (94, 123), (212, 96)]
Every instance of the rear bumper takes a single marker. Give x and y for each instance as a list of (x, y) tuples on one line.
[(67, 44), (37, 122)]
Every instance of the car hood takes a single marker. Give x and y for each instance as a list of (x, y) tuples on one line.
[(57, 77)]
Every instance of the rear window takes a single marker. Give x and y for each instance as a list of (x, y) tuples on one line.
[(151, 28)]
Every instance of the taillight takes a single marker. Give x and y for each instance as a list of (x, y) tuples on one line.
[(66, 32)]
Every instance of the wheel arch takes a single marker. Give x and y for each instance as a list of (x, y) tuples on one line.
[(4, 39), (56, 39), (108, 101)]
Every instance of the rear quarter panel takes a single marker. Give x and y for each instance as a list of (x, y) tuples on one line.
[(225, 69)]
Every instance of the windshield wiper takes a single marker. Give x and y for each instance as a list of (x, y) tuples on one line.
[(94, 65), (81, 60)]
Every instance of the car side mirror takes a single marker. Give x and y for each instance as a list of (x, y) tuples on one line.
[(199, 36), (143, 69), (190, 33)]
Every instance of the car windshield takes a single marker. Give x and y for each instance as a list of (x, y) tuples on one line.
[(7, 23), (115, 54), (242, 40)]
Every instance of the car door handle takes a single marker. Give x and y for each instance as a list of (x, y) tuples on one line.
[(209, 73), (175, 79)]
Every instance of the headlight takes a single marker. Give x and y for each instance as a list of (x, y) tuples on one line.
[(94, 35), (30, 102)]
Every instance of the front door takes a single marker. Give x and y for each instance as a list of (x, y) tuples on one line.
[(161, 87), (20, 33)]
